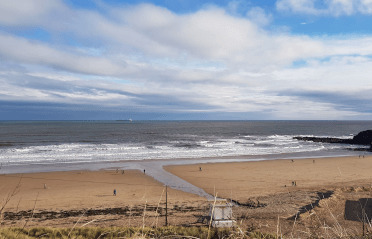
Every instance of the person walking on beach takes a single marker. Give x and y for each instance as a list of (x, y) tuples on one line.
[(144, 171), (114, 192)]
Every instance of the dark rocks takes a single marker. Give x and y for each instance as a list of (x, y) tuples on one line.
[(363, 138), (50, 215), (325, 140), (250, 203)]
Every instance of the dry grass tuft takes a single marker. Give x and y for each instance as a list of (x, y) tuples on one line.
[(130, 232)]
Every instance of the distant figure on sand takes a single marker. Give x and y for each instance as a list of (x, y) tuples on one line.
[(114, 192), (313, 161), (122, 172), (117, 170), (292, 161), (44, 185), (144, 171), (200, 169)]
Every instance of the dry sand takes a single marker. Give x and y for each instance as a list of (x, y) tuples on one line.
[(94, 189), (296, 211), (326, 203), (72, 194), (85, 189), (251, 179)]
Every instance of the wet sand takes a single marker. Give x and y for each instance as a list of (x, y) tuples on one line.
[(242, 180)]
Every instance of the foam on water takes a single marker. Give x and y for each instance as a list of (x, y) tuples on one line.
[(187, 147), (75, 145)]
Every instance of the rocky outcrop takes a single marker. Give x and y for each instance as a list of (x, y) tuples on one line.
[(325, 140), (363, 138)]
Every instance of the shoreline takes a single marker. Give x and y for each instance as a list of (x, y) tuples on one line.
[(155, 167), (132, 164), (164, 171)]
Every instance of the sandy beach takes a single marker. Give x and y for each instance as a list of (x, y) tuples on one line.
[(77, 191), (85, 189), (325, 188), (327, 201), (243, 180)]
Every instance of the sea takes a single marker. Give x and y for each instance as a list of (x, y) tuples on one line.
[(51, 142), (49, 146)]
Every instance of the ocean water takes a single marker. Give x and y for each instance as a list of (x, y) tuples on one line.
[(55, 142)]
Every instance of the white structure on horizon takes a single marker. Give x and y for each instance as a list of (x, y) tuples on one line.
[(220, 212)]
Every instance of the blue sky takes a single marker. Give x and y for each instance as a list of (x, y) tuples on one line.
[(185, 60)]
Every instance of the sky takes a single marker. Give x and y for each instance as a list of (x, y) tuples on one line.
[(185, 60)]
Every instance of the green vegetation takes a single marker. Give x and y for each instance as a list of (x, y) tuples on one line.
[(128, 232)]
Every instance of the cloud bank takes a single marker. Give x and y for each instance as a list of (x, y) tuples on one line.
[(146, 58)]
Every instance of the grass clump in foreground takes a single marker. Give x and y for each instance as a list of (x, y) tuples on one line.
[(129, 232)]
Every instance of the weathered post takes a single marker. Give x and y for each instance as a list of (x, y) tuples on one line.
[(166, 205), (363, 215)]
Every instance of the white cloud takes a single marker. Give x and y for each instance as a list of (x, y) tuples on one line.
[(191, 90), (259, 16), (352, 46), (208, 35), (365, 7), (234, 6), (32, 52), (26, 12), (297, 6), (327, 7), (333, 75), (205, 61)]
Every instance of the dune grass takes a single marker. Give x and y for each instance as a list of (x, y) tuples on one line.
[(129, 232)]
